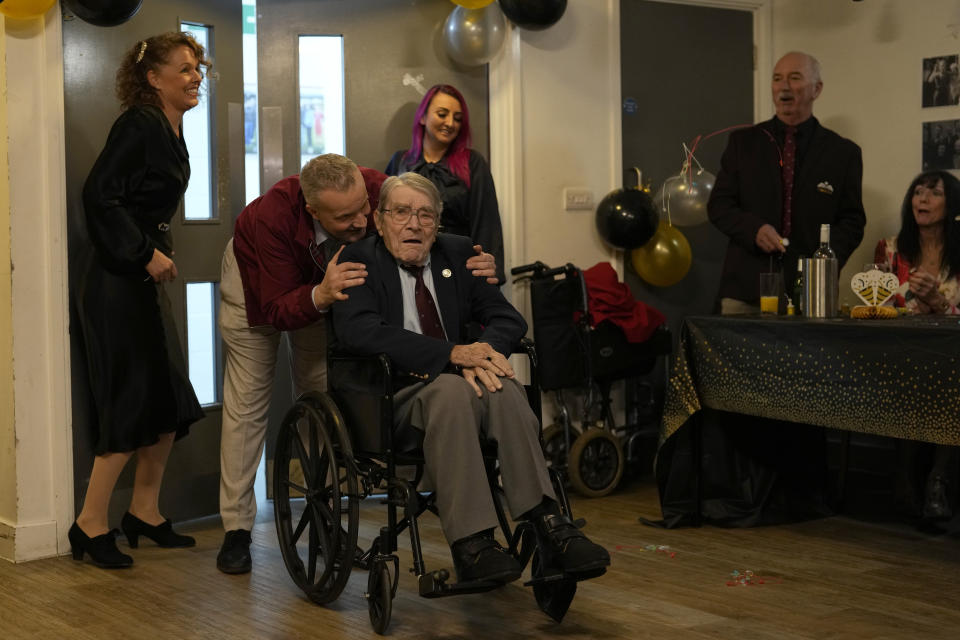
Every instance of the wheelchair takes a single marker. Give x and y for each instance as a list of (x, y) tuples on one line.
[(576, 358), (337, 448)]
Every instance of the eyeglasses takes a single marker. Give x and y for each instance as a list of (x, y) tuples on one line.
[(402, 215)]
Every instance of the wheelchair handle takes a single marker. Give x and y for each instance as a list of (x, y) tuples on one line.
[(540, 270), (534, 266)]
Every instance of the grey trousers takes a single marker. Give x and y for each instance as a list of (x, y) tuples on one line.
[(452, 419)]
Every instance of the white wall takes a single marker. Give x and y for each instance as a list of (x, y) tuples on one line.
[(42, 447), (555, 123), (872, 54)]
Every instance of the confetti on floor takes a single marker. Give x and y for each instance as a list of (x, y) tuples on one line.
[(657, 548), (748, 578)]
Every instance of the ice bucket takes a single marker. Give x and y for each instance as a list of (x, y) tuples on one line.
[(820, 288)]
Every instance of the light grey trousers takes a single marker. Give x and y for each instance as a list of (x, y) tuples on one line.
[(250, 362), (453, 419)]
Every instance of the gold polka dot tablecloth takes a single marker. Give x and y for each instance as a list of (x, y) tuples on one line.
[(898, 378)]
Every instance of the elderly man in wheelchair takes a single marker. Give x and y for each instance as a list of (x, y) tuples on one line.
[(456, 400)]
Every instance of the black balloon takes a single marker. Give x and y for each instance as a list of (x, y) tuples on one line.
[(104, 13), (627, 218), (533, 14)]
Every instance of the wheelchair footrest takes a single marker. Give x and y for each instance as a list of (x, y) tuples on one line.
[(553, 576), (434, 585)]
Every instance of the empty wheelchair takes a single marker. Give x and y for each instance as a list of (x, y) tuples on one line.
[(578, 359), (337, 448)]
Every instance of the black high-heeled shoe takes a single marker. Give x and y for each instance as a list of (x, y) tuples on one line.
[(163, 533), (102, 549)]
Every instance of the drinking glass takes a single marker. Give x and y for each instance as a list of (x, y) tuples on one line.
[(770, 286)]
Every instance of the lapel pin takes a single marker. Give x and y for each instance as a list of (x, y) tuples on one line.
[(446, 273)]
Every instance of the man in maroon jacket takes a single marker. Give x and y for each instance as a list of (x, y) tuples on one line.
[(280, 274)]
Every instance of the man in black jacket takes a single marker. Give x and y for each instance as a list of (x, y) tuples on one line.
[(763, 219), (414, 306)]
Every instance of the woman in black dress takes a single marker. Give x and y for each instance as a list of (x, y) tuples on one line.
[(440, 151), (141, 391)]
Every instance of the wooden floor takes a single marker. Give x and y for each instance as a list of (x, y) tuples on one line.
[(834, 578)]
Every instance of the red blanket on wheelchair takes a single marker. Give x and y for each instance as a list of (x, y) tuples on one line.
[(610, 299)]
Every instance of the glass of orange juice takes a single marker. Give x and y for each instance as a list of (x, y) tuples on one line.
[(769, 293)]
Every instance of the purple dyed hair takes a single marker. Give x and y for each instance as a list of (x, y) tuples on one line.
[(458, 155)]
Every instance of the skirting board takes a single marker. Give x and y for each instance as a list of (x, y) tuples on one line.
[(20, 543)]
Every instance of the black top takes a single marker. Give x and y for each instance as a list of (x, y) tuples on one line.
[(467, 211)]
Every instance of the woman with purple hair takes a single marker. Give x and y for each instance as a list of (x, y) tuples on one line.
[(440, 151)]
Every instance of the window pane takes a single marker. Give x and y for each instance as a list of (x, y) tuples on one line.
[(321, 96), (250, 125), (198, 200), (201, 336)]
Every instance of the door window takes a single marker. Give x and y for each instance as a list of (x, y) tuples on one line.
[(322, 128), (198, 200)]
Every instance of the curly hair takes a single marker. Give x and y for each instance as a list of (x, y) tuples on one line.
[(908, 239), (133, 87)]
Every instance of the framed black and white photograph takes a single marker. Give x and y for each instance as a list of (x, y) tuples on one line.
[(941, 145), (941, 81)]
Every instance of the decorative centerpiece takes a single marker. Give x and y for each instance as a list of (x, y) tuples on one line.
[(874, 287)]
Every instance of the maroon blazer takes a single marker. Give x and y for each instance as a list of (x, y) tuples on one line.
[(271, 240)]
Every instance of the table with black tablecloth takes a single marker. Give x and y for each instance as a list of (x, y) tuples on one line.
[(749, 395)]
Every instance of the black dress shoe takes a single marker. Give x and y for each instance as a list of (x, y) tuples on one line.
[(563, 546), (234, 556), (480, 557), (102, 549), (163, 533)]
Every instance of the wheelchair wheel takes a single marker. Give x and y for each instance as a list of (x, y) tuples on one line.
[(555, 446), (596, 463), (316, 497), (379, 597)]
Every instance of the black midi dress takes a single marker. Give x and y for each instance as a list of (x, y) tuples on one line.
[(136, 366)]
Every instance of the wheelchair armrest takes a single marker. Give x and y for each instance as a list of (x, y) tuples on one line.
[(362, 373), (526, 347)]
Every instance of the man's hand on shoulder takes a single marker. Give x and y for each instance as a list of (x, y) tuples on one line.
[(339, 276), (483, 265), (769, 241)]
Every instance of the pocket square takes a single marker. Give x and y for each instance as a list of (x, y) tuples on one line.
[(825, 187)]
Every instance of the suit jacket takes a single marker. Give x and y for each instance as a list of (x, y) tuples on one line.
[(370, 321), (271, 240), (748, 194)]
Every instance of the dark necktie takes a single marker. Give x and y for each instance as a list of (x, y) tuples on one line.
[(786, 173), (430, 324)]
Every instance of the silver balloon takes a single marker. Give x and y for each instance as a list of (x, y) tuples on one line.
[(474, 36), (683, 200)]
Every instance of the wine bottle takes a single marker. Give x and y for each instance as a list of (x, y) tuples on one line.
[(824, 251)]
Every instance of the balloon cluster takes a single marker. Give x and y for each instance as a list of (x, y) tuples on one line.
[(474, 31), (25, 9), (629, 219)]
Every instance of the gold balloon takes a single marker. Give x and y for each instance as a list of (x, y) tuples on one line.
[(665, 259), (472, 4), (22, 9)]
